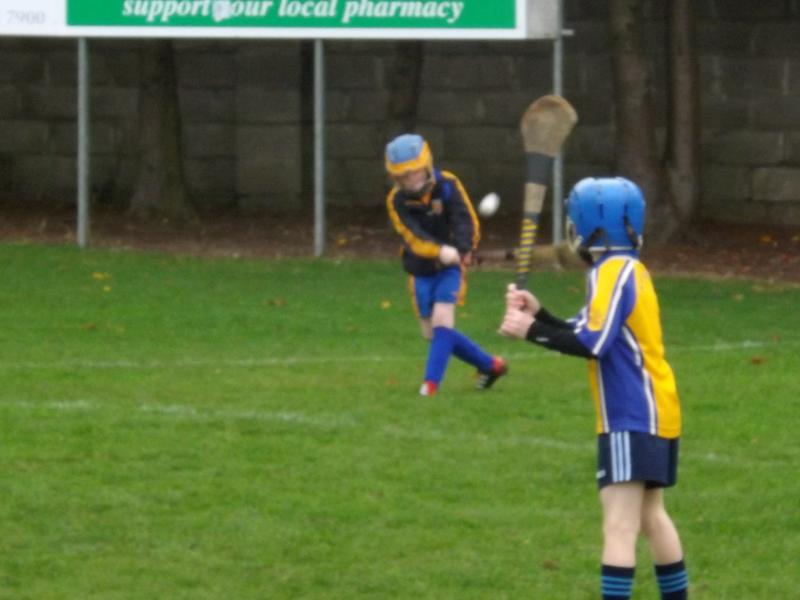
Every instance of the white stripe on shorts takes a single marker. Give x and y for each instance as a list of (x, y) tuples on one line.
[(620, 456), (626, 438)]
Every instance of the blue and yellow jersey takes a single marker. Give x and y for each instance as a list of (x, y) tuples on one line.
[(633, 386), (444, 215)]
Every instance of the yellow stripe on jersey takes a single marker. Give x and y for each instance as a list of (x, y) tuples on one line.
[(462, 289), (412, 289), (476, 224), (644, 323), (599, 407), (419, 246), (607, 276)]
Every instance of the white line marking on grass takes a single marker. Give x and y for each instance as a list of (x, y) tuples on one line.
[(182, 411), (65, 405), (202, 362), (193, 363), (726, 346), (478, 438), (349, 422), (295, 417)]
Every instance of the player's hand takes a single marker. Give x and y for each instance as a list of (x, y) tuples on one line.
[(516, 323), (449, 255), (521, 300), (466, 259)]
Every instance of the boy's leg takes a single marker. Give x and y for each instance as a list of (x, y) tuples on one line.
[(657, 526), (438, 294), (444, 315), (426, 328), (441, 346), (622, 517), (622, 513), (471, 353), (435, 300), (451, 290), (673, 581), (616, 583), (665, 546), (422, 291), (490, 368)]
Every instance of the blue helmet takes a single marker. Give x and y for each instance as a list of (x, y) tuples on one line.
[(408, 152), (605, 214)]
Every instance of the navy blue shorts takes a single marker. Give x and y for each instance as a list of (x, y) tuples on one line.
[(633, 456), (445, 287)]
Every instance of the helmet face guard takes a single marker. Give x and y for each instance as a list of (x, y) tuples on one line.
[(406, 153), (605, 214)]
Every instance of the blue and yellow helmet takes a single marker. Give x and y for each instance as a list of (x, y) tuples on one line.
[(605, 214), (408, 152)]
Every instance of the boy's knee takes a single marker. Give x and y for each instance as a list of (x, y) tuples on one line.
[(621, 528), (655, 521), (426, 329)]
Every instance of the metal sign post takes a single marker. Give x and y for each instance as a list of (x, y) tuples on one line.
[(84, 173), (319, 148), (558, 89)]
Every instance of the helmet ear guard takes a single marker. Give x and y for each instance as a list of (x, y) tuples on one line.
[(408, 153), (636, 238), (576, 242), (605, 214)]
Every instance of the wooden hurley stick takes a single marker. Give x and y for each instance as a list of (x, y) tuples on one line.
[(545, 126)]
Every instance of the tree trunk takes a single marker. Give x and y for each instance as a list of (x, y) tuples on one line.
[(160, 188), (636, 140), (404, 87), (684, 122)]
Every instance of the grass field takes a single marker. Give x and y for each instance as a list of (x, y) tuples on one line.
[(194, 428)]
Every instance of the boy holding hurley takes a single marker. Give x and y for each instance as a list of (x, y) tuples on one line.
[(432, 212), (633, 387)]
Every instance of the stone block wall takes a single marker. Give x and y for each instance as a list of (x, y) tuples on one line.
[(246, 110)]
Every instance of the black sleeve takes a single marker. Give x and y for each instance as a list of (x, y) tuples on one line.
[(546, 317), (557, 338)]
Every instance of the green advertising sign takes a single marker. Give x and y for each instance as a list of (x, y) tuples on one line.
[(326, 14)]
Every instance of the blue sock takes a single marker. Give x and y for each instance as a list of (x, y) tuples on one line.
[(439, 354), (616, 582), (468, 351), (673, 581)]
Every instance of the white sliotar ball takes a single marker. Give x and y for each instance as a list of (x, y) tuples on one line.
[(489, 204)]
